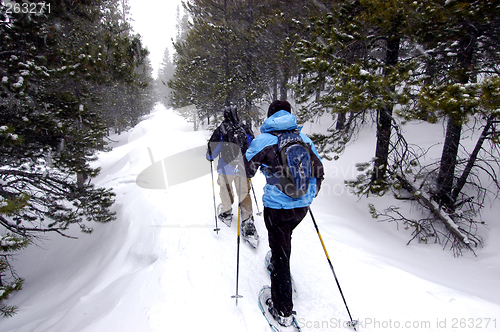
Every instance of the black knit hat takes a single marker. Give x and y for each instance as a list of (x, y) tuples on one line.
[(278, 105)]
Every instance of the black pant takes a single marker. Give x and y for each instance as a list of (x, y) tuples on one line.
[(280, 225)]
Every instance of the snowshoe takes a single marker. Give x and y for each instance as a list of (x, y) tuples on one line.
[(276, 324), (225, 217), (285, 321), (249, 232)]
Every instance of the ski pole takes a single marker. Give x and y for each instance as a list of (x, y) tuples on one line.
[(217, 229), (255, 198), (352, 323), (238, 244)]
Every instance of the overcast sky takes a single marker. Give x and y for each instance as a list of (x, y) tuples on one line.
[(155, 21)]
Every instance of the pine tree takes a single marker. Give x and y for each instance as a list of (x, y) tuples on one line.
[(209, 72), (352, 65), (59, 72), (182, 25), (237, 52), (165, 74), (460, 39), (280, 33), (433, 61)]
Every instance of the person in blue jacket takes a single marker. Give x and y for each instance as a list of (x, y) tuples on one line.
[(231, 170), (281, 212)]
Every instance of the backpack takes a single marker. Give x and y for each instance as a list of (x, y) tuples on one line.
[(235, 142), (294, 156)]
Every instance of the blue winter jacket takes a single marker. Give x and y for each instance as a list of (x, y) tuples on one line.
[(262, 154)]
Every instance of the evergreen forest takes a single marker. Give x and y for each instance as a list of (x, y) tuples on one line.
[(360, 64), (73, 71)]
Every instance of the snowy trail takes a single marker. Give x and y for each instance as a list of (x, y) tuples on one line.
[(161, 267)]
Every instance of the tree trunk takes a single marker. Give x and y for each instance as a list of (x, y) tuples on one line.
[(284, 82), (384, 124), (227, 102), (195, 121), (448, 162), (249, 63), (472, 160), (81, 178), (453, 131), (275, 87), (341, 119), (446, 218)]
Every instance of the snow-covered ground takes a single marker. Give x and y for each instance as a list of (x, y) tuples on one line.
[(161, 267)]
